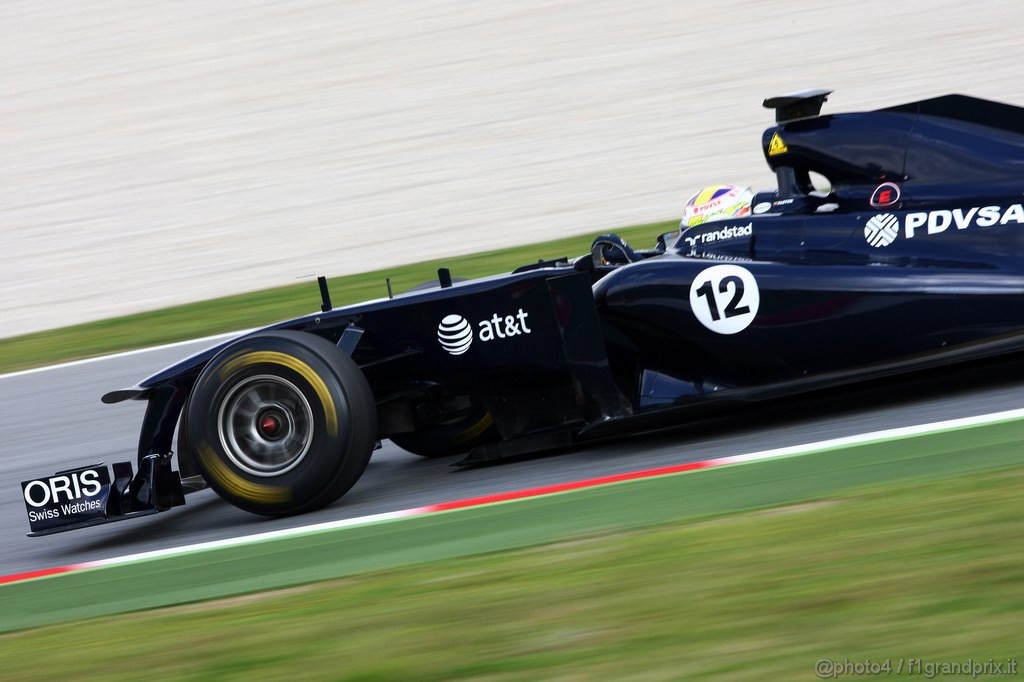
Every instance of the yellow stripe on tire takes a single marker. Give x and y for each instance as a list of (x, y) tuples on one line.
[(270, 357), (238, 486), (475, 430)]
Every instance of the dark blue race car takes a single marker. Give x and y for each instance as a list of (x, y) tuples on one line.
[(911, 259)]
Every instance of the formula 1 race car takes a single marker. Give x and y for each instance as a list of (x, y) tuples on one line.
[(912, 259)]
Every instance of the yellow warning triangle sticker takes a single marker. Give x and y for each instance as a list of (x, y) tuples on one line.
[(777, 146)]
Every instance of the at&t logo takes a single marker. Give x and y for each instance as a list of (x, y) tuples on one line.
[(455, 333)]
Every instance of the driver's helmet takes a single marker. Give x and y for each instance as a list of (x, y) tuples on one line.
[(717, 202)]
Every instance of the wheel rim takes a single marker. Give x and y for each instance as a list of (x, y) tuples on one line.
[(265, 425)]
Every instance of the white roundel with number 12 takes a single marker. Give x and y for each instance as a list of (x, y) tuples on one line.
[(724, 298)]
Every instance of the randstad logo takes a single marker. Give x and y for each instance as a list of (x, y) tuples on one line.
[(455, 333)]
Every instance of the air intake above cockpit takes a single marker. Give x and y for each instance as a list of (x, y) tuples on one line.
[(797, 105)]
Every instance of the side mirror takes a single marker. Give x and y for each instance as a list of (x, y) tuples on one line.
[(667, 239)]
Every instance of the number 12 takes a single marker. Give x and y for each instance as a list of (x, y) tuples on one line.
[(733, 308)]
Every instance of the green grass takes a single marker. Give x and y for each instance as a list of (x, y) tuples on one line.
[(294, 561), (933, 571), (258, 308)]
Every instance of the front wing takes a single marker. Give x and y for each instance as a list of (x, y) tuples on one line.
[(90, 495)]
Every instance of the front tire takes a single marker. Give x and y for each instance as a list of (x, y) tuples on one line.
[(282, 423)]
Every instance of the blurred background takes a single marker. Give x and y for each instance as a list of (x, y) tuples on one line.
[(156, 153), (163, 152)]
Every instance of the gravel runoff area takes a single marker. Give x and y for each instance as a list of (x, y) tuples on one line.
[(157, 153)]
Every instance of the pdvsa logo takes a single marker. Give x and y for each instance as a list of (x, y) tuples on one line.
[(455, 333), (882, 230)]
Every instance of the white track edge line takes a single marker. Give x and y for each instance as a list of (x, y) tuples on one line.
[(122, 354), (898, 433), (283, 533), (728, 460)]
